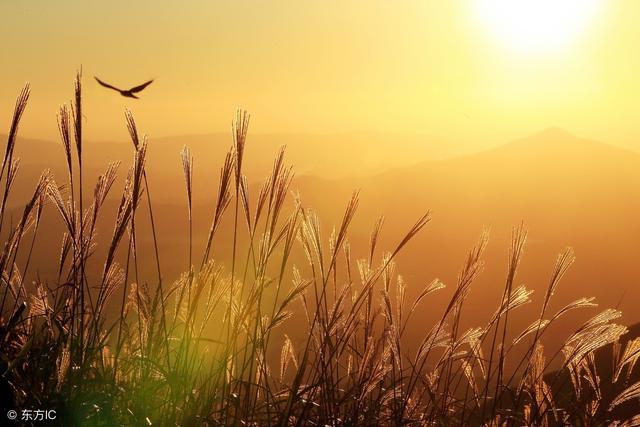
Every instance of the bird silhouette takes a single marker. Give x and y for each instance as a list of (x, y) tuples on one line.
[(130, 93)]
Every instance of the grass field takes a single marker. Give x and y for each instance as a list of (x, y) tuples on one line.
[(221, 345)]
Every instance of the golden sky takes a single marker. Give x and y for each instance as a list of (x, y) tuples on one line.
[(429, 67)]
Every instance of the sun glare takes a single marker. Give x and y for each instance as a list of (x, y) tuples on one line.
[(536, 25)]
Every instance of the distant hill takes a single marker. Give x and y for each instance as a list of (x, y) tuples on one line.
[(329, 156), (567, 190), (325, 155)]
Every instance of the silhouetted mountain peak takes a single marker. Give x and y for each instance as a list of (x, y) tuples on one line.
[(554, 132), (553, 137), (558, 143)]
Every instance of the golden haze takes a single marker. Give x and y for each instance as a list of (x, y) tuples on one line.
[(421, 67)]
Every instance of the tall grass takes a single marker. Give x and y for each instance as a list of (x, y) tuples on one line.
[(218, 345)]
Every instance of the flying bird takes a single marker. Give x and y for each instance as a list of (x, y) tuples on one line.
[(130, 93)]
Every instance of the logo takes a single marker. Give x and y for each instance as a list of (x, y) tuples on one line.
[(32, 415)]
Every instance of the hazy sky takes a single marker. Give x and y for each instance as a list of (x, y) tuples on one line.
[(432, 67)]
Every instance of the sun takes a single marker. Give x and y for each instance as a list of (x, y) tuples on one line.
[(536, 25)]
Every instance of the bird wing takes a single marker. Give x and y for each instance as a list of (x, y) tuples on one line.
[(140, 88), (107, 85)]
